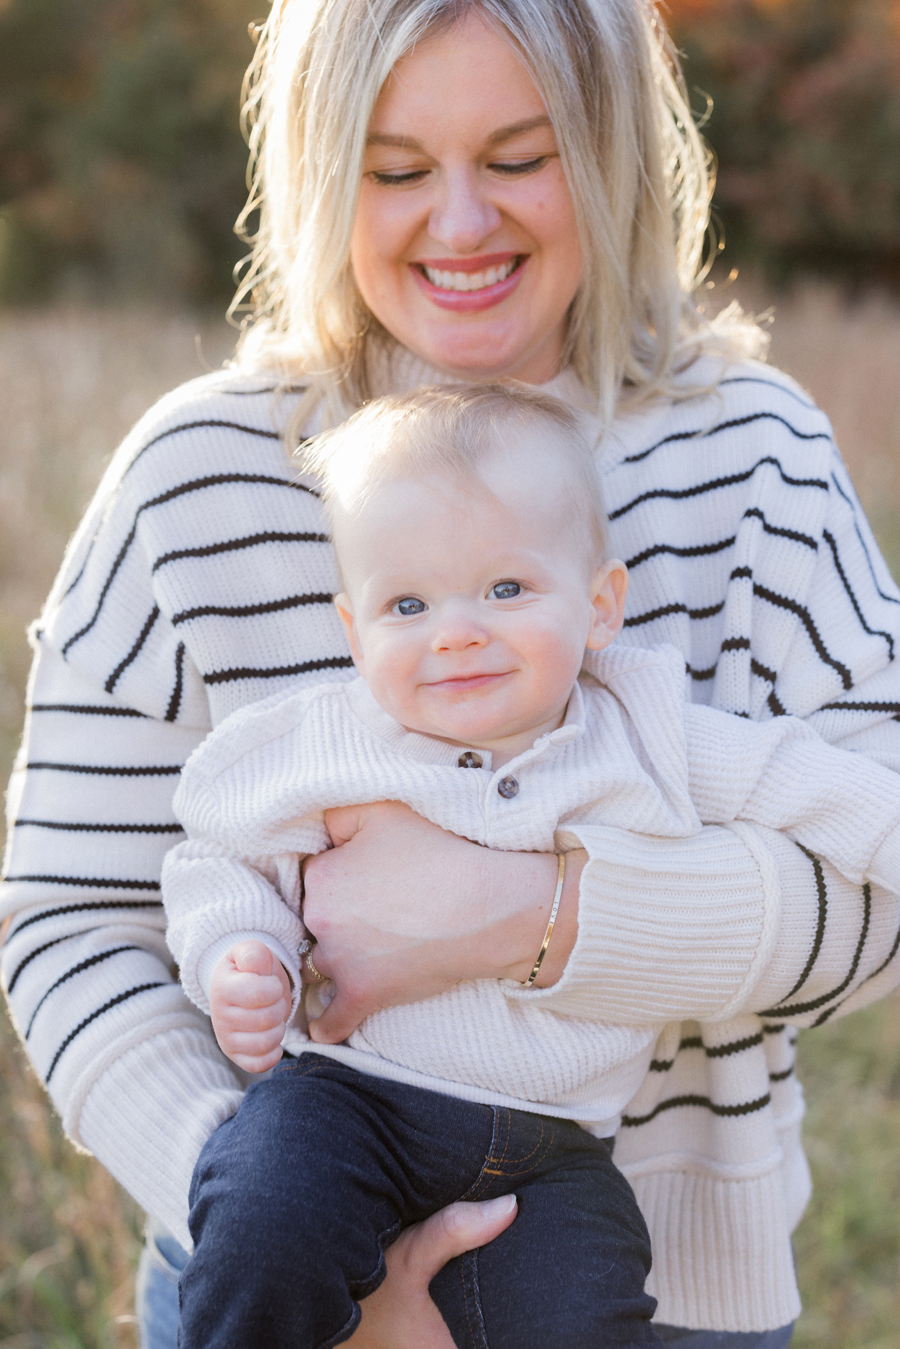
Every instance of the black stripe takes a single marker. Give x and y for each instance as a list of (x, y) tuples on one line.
[(761, 671), (723, 1111), (770, 384), (130, 771), (251, 541), (698, 550), (306, 667), (711, 1052), (769, 1029), (133, 654), (741, 574), (860, 707), (197, 426), (89, 882), (33, 955), (70, 974), (730, 644), (82, 569), (195, 485), (781, 1077), (799, 1009), (782, 602), (779, 531), (178, 688), (775, 706), (889, 599), (250, 610), (86, 906), (884, 964), (663, 612), (873, 632), (87, 710), (821, 921), (727, 426), (113, 1002), (66, 827), (682, 493)]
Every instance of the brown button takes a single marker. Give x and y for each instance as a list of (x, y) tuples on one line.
[(508, 788), (468, 759)]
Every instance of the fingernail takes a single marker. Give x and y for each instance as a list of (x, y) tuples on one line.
[(498, 1208)]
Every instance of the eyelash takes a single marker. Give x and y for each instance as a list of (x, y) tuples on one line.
[(516, 170)]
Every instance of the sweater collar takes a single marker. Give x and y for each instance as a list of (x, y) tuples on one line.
[(425, 749)]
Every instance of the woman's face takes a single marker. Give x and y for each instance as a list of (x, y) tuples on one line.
[(465, 245)]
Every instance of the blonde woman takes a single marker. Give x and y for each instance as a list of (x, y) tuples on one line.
[(466, 190)]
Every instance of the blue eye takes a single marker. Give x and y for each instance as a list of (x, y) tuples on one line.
[(408, 607), (506, 590)]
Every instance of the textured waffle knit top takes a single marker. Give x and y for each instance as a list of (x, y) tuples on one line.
[(200, 581), (629, 755)]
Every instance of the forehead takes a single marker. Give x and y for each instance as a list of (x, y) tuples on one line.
[(468, 76)]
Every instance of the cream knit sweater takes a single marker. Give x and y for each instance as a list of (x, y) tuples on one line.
[(200, 581), (631, 754)]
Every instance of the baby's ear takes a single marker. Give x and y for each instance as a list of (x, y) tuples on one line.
[(608, 590), (344, 606)]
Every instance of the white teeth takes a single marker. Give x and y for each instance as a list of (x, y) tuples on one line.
[(469, 280)]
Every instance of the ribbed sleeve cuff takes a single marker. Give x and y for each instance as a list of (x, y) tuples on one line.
[(668, 929), (147, 1119), (722, 1255)]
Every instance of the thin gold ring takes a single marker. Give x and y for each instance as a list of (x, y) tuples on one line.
[(317, 974)]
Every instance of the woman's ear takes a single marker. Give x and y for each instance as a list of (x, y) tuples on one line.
[(344, 606), (608, 590)]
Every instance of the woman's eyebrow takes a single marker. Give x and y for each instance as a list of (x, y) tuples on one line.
[(503, 133)]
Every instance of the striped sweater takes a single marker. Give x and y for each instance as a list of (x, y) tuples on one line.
[(199, 582)]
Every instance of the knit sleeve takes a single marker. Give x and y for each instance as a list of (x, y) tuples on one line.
[(199, 581), (743, 918)]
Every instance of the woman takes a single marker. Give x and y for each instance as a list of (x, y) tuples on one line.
[(467, 190)]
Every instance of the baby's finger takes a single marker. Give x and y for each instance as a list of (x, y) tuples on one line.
[(253, 990), (253, 957), (244, 1047), (252, 1019)]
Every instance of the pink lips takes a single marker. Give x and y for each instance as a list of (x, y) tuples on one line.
[(465, 684), (469, 301)]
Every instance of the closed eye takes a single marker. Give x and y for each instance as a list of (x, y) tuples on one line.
[(505, 590), (519, 168), (397, 179)]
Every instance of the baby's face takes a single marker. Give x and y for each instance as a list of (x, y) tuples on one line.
[(468, 613)]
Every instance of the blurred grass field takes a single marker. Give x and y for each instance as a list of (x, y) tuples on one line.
[(71, 383)]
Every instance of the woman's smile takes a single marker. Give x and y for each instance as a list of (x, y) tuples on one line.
[(470, 284), (465, 246)]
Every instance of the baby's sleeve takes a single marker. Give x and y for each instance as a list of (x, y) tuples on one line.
[(214, 899)]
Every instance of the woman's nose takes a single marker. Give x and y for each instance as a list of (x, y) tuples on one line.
[(463, 215)]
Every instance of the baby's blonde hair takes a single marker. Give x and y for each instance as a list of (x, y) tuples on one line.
[(451, 431), (637, 169)]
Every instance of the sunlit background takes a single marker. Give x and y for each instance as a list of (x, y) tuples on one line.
[(121, 172)]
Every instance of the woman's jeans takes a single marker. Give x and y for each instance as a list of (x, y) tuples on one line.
[(294, 1200)]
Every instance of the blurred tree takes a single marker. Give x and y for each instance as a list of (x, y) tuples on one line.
[(805, 125), (121, 159)]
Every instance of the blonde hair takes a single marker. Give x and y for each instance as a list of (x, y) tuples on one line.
[(637, 168), (451, 431)]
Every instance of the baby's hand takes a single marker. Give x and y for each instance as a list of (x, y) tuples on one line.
[(250, 1001)]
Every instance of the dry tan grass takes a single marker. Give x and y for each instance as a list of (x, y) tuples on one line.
[(72, 383)]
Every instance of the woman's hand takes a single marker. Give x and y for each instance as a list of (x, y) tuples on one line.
[(403, 910), (400, 1313)]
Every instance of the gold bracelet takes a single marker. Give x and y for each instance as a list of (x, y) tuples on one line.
[(560, 877)]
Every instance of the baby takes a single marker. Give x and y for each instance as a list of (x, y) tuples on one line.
[(480, 608)]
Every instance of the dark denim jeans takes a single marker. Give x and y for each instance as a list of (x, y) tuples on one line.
[(294, 1200)]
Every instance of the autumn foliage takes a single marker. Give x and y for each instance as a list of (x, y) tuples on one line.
[(122, 165)]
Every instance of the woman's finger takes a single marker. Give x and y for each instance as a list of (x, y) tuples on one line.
[(400, 1313)]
